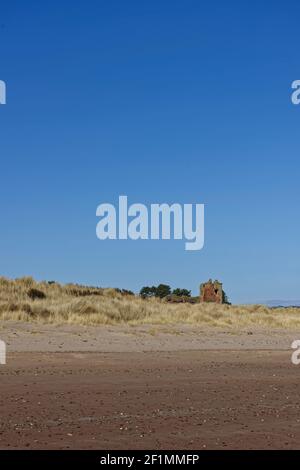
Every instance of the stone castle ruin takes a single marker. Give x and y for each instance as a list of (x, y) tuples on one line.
[(211, 292)]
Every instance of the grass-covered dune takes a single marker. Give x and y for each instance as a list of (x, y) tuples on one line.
[(30, 301)]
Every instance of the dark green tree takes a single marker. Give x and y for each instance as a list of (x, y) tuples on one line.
[(147, 292), (225, 299), (182, 292), (162, 291)]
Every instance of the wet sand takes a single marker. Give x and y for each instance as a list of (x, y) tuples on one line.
[(185, 399)]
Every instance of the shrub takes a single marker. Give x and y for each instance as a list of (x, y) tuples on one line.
[(36, 294), (147, 292), (180, 299), (162, 291), (182, 292), (80, 292), (127, 292), (43, 313), (225, 299)]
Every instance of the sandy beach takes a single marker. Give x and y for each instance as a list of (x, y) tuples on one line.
[(148, 387), (38, 337)]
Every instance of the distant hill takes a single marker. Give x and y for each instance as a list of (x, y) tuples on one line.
[(281, 303)]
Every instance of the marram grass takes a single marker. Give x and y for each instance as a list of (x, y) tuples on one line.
[(73, 304)]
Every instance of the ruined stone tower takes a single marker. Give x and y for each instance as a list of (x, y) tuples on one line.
[(211, 292)]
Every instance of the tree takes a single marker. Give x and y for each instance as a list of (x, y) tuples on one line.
[(182, 292), (147, 292), (162, 291), (225, 299)]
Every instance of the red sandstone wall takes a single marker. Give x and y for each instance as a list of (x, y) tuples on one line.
[(211, 294)]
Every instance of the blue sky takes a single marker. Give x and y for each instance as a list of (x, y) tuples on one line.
[(164, 101)]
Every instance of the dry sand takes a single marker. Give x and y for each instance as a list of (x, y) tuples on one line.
[(160, 387), (38, 337)]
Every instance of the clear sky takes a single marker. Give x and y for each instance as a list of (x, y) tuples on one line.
[(163, 101)]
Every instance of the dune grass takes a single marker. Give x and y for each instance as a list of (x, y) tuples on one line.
[(72, 304)]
